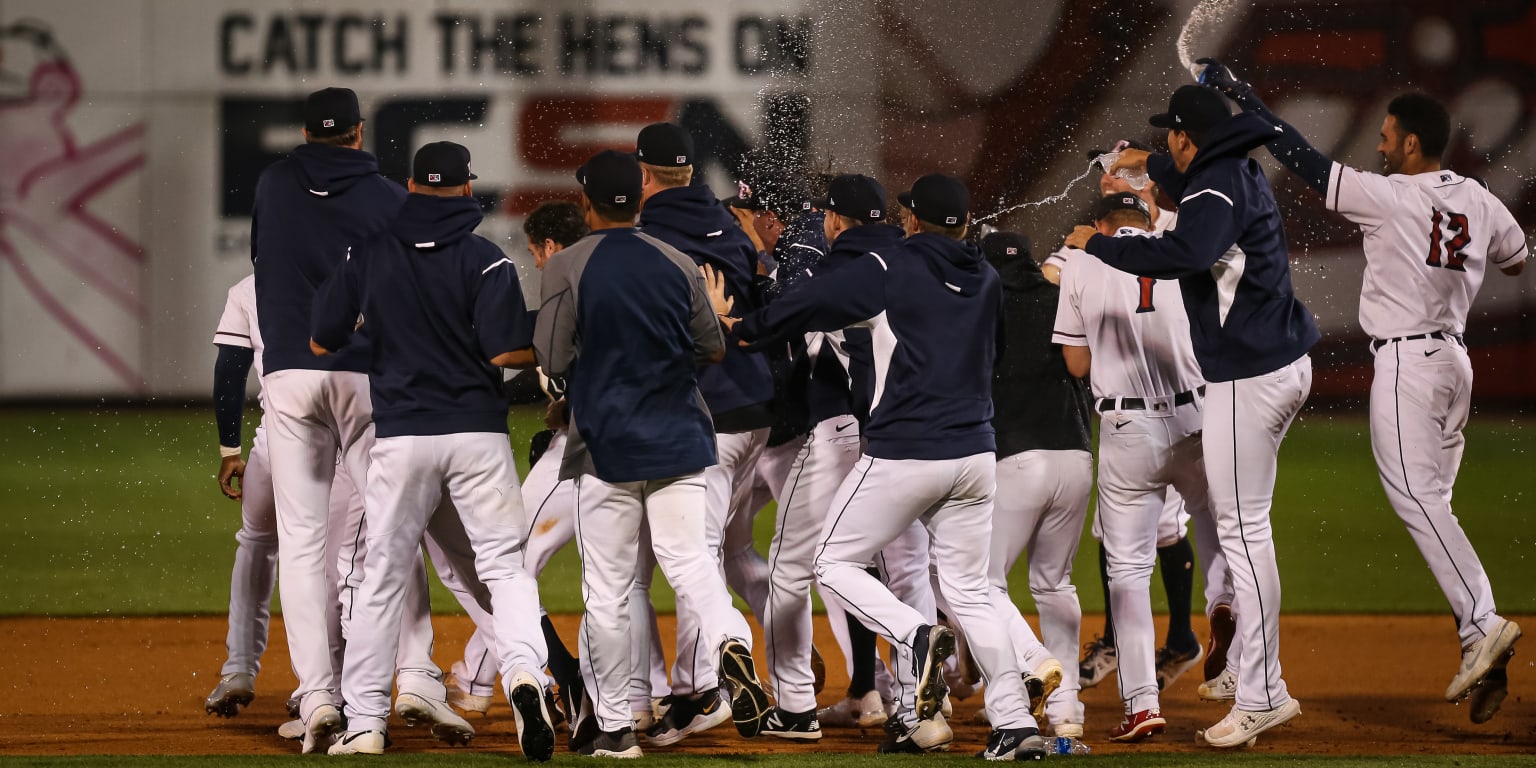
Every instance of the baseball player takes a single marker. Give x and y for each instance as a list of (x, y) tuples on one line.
[(443, 307), (1430, 236), (1251, 336), (625, 320), (738, 393), (1044, 476), (932, 306), (309, 209), (1147, 388)]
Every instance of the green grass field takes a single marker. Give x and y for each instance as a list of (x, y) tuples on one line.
[(116, 512)]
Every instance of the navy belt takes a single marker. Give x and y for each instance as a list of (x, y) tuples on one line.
[(1138, 404), (1379, 343)]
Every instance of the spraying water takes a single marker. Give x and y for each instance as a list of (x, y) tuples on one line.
[(1200, 30), (1092, 168)]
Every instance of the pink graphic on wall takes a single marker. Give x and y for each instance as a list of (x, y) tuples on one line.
[(47, 181)]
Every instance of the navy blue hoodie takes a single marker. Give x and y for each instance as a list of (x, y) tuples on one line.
[(310, 208), (933, 307), (1228, 252), (439, 302), (739, 391)]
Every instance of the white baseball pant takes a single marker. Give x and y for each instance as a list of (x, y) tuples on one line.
[(406, 483), (827, 455), (1042, 503), (453, 557), (550, 503), (254, 574), (880, 499), (608, 520), (1141, 453), (311, 416), (1245, 422), (1420, 398)]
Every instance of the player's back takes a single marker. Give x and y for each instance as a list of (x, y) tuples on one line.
[(1429, 239), (1135, 328)]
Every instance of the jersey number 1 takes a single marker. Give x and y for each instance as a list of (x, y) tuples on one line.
[(1144, 302), (1454, 257)]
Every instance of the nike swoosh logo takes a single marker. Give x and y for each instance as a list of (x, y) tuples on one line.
[(1121, 424), (1431, 352), (845, 426)]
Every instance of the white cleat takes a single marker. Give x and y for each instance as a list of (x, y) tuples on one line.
[(321, 729), (360, 743), (1240, 727), (447, 726), (459, 694), (867, 711), (293, 730), (1040, 684), (1223, 688), (1477, 660)]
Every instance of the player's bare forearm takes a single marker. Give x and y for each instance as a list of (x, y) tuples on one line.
[(317, 350), (1079, 360), (520, 359)]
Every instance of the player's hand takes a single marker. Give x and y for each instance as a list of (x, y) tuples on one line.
[(554, 415), (714, 285), (1079, 237), (231, 470), (1133, 160), (1219, 76)]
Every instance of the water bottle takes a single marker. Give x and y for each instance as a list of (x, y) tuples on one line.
[(1065, 745), (1107, 161)]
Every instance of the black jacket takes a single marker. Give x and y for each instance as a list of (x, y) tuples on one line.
[(1037, 405)]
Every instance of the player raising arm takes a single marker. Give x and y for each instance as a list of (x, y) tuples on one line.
[(1429, 236)]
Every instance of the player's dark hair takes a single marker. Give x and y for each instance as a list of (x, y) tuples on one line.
[(1196, 137), (1425, 118), (556, 220), (345, 137), (616, 213), (953, 233), (1126, 218)]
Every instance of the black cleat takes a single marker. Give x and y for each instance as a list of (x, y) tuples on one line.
[(932, 645), (749, 702), (796, 726), (1014, 744)]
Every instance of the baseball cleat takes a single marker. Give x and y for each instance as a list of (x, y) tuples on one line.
[(931, 645), (535, 733), (447, 726), (232, 693), (927, 736), (1223, 629), (1485, 699), (795, 726), (1222, 688), (1137, 726), (1014, 744), (1240, 727), (292, 705), (688, 715), (1041, 684), (618, 744), (293, 730), (1171, 664), (749, 702), (459, 694), (1098, 661), (866, 711), (360, 743), (321, 729), (1483, 656)]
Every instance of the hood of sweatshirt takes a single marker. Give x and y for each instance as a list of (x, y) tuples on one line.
[(854, 243), (959, 264), (691, 210), (327, 170), (1236, 137), (426, 221)]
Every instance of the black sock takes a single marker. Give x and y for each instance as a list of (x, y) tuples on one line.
[(861, 642), (561, 663), (1178, 566), (1109, 623)]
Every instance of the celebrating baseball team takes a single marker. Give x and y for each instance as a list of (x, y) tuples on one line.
[(913, 394)]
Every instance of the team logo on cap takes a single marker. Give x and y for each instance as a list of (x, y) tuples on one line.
[(327, 123), (1011, 251), (806, 206), (682, 159), (434, 178), (617, 199), (951, 220), (875, 214)]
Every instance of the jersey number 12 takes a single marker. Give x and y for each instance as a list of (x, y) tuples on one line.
[(1455, 225), (1144, 298)]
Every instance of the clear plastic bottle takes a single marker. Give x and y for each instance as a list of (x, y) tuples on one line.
[(1107, 161), (1065, 745)]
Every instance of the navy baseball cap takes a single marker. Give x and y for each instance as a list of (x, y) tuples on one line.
[(1121, 201), (1004, 247), (611, 177), (664, 144), (441, 164), (1193, 108), (938, 199), (855, 196), (331, 111)]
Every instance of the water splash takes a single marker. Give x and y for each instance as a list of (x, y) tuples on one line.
[(1046, 201), (1198, 37)]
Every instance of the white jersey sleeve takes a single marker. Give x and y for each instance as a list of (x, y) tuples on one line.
[(1363, 198), (1508, 245), (238, 326), (1070, 330)]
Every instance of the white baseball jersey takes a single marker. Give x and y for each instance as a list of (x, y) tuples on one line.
[(1165, 221), (1135, 328), (238, 326), (1429, 237)]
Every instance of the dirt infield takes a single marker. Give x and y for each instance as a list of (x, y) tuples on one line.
[(1368, 685)]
